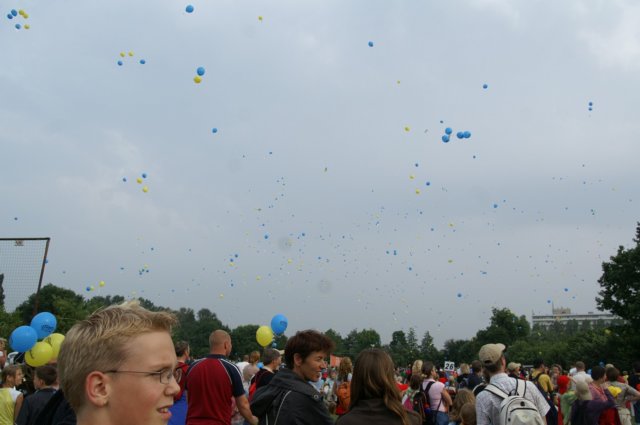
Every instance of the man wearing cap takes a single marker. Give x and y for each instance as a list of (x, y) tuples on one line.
[(487, 404), (514, 370)]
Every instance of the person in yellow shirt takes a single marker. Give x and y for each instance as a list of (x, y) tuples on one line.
[(10, 398), (543, 382)]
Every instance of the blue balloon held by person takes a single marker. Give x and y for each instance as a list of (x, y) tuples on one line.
[(279, 324), (44, 323), (23, 338)]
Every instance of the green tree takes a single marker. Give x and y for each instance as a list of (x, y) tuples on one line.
[(428, 350), (413, 348), (337, 339), (244, 341), (66, 305), (620, 283), (505, 327), (398, 349), (357, 341)]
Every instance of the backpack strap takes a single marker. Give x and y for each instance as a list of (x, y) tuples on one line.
[(521, 387), (496, 391)]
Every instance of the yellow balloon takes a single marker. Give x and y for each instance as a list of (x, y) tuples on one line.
[(26, 26), (130, 53), (121, 54), (39, 354), (145, 189), (101, 283), (139, 180), (197, 79), (264, 335), (54, 340)]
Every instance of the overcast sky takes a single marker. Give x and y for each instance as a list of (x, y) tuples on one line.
[(327, 182)]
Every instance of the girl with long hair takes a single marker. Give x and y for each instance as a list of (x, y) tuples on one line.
[(375, 398)]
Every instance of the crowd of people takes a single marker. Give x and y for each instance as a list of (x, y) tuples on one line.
[(120, 367)]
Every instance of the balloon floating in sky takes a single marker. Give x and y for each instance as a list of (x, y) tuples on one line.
[(460, 135), (39, 354), (142, 61), (145, 189), (264, 335), (260, 18), (189, 9), (120, 63), (44, 324), (23, 338), (144, 175), (485, 86), (459, 295), (214, 130), (279, 324), (197, 79), (200, 71), (370, 44), (448, 131), (445, 138)]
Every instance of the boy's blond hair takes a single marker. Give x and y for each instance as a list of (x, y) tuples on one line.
[(99, 343)]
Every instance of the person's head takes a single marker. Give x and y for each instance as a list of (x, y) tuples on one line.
[(580, 366), (254, 357), (117, 366), (305, 353), (220, 342), (612, 374), (538, 364), (582, 391), (182, 350), (468, 414), (476, 367), (373, 378), (464, 368), (3, 344), (492, 358), (45, 376), (415, 381), (598, 373), (345, 368), (12, 375), (463, 397), (514, 367), (271, 358), (556, 369), (416, 368), (429, 370)]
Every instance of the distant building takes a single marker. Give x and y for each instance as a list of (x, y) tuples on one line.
[(563, 315)]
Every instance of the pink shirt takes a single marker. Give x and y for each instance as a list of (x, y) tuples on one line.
[(435, 394)]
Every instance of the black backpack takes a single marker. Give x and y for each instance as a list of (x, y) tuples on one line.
[(422, 405)]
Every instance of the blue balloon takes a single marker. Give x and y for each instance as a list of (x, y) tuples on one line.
[(44, 323), (279, 324), (200, 71), (189, 9), (18, 26), (466, 134), (445, 138), (460, 135), (214, 130), (14, 12), (448, 130), (23, 338), (142, 61), (9, 16), (485, 86), (119, 63), (371, 44), (260, 365)]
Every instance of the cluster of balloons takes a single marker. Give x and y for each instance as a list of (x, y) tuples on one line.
[(266, 334), (200, 72), (123, 55), (139, 180), (25, 339), (14, 14), (459, 134)]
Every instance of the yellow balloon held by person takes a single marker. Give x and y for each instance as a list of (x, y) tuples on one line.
[(39, 354), (55, 341), (264, 335)]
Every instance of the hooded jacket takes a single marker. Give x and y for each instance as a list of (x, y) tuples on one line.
[(289, 400)]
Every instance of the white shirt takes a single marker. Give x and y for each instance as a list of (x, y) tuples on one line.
[(488, 405), (579, 377)]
